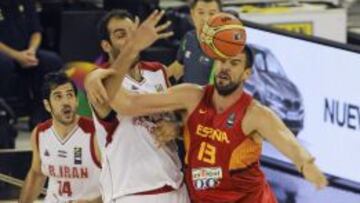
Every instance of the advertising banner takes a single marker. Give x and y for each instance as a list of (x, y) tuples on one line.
[(315, 89)]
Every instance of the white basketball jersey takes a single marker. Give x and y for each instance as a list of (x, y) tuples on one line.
[(70, 164), (132, 162)]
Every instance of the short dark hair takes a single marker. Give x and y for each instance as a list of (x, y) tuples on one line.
[(249, 56), (194, 2), (53, 80), (104, 21)]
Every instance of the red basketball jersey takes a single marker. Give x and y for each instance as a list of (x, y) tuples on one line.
[(222, 162)]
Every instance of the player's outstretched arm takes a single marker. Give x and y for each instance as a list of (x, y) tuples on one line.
[(35, 180), (180, 97), (262, 120)]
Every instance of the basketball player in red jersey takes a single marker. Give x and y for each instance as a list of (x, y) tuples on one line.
[(224, 130), (64, 149)]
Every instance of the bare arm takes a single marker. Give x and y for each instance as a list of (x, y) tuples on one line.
[(35, 41), (35, 180), (8, 51), (262, 120), (176, 70), (184, 96)]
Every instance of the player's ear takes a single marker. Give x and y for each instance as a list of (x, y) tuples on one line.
[(106, 46), (247, 73), (47, 105)]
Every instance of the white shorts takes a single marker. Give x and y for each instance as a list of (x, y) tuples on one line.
[(176, 196)]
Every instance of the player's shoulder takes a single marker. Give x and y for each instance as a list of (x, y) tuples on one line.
[(190, 35), (86, 124), (152, 66), (257, 111), (43, 125), (40, 129)]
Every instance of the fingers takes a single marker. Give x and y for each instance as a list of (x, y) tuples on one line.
[(154, 17), (151, 17), (322, 183), (158, 17), (163, 27), (100, 93), (97, 95), (137, 22), (92, 98), (166, 35), (95, 88), (95, 98)]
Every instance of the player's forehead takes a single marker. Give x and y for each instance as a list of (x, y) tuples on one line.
[(119, 25), (209, 6), (64, 88), (239, 57)]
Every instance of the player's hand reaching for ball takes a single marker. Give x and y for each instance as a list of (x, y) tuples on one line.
[(145, 34)]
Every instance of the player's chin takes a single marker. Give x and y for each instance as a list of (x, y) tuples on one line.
[(68, 117)]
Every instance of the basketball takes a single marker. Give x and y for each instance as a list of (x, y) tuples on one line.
[(223, 36)]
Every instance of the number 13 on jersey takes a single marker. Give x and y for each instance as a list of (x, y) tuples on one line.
[(207, 153)]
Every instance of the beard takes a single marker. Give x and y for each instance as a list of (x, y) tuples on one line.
[(225, 90)]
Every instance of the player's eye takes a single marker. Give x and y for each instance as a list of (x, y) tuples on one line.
[(120, 34), (70, 95), (57, 97), (234, 63)]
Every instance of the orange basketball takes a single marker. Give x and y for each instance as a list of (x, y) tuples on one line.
[(223, 36)]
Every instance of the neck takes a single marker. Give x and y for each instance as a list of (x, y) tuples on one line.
[(63, 130), (222, 103)]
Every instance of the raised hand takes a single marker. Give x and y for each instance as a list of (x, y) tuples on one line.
[(148, 32)]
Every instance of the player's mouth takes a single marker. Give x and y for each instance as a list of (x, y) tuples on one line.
[(223, 76), (67, 111)]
